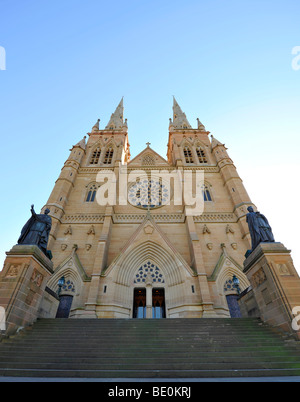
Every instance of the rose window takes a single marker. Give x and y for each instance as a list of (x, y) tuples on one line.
[(148, 193), (151, 270)]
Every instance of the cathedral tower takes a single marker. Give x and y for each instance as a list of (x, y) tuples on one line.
[(146, 256)]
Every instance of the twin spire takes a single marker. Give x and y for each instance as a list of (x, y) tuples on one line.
[(180, 120), (116, 121)]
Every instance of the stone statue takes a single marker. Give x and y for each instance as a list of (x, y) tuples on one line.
[(259, 228), (36, 230)]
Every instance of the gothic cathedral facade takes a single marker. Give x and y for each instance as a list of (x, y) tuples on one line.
[(145, 257)]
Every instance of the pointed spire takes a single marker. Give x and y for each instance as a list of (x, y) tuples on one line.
[(96, 126), (179, 118), (116, 120), (200, 125), (215, 142), (81, 144)]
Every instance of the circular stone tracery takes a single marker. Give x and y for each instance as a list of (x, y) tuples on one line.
[(148, 193), (149, 269)]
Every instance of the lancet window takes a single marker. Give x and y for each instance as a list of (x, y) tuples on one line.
[(91, 195), (206, 193), (95, 156), (108, 156), (188, 154), (201, 154)]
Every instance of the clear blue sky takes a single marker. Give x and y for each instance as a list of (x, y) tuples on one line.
[(227, 62)]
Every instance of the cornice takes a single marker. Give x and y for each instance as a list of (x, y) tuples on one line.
[(158, 218)]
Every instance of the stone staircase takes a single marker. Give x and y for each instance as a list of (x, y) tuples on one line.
[(169, 348)]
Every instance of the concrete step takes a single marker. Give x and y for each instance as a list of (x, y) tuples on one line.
[(228, 373), (147, 349), (129, 360)]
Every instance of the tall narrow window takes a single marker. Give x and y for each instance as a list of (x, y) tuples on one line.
[(108, 156), (201, 155), (95, 157), (188, 155), (91, 193), (206, 193)]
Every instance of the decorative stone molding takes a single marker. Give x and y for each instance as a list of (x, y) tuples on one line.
[(205, 229), (37, 277), (258, 278), (13, 271), (91, 230), (138, 218), (283, 269), (148, 229), (215, 217), (68, 230), (229, 229), (96, 169), (83, 218)]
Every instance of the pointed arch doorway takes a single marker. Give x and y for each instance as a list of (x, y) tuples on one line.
[(158, 303), (64, 308), (149, 302)]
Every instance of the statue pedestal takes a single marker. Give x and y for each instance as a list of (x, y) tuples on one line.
[(22, 284), (275, 284)]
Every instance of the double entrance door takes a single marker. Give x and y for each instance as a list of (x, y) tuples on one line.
[(149, 303)]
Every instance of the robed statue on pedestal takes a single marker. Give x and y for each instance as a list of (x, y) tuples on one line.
[(36, 230), (260, 230)]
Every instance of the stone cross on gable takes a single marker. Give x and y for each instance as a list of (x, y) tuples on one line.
[(148, 144)]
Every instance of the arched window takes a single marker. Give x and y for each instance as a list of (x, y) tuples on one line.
[(95, 156), (206, 193), (108, 156), (91, 193), (201, 154), (188, 155)]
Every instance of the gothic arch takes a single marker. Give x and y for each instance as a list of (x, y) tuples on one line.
[(93, 157), (74, 275), (109, 153), (227, 273), (207, 191), (174, 273), (188, 153), (201, 153), (171, 269), (91, 190), (186, 142), (226, 270), (70, 274)]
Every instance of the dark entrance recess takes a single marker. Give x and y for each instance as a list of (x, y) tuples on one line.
[(64, 307), (139, 303), (233, 306), (158, 303)]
